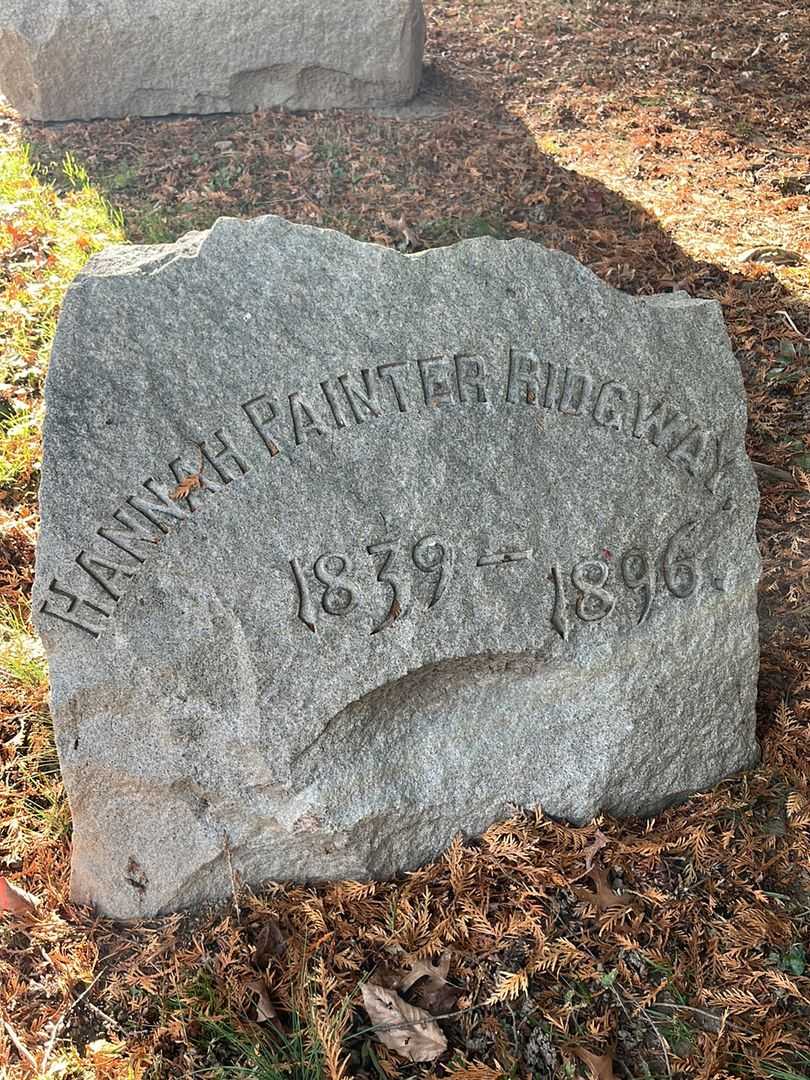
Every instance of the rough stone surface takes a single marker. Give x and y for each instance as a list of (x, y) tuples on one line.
[(344, 551), (79, 59)]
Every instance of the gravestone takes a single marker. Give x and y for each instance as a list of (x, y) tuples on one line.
[(79, 59), (344, 551)]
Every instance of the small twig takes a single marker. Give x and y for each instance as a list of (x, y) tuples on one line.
[(19, 1045), (793, 325), (661, 1039), (60, 1023), (514, 1027), (650, 1021), (688, 1008), (396, 1025), (234, 888), (105, 1016)]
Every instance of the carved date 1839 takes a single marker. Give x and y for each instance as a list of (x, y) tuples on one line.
[(333, 570)]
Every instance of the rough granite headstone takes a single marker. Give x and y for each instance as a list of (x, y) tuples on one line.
[(79, 59), (344, 551)]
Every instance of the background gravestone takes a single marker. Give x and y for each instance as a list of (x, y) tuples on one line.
[(343, 551), (79, 59)]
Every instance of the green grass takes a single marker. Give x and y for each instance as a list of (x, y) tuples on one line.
[(681, 1037), (271, 1055), (37, 815), (21, 658), (789, 1072), (19, 445), (231, 1048), (45, 239), (46, 236), (123, 178)]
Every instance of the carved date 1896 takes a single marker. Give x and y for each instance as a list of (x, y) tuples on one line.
[(332, 579)]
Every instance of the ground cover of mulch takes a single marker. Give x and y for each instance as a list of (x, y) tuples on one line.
[(666, 146)]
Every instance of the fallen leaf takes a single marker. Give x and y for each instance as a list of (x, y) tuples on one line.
[(270, 941), (776, 255), (185, 487), (606, 898), (426, 969), (388, 978), (264, 1006), (416, 1037), (599, 1065), (393, 614), (478, 1071), (433, 992), (600, 841), (301, 151), (15, 899), (401, 226), (105, 1048), (510, 985)]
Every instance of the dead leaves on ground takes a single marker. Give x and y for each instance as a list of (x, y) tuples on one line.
[(434, 992), (399, 226), (600, 1066), (16, 900), (605, 899), (264, 1006), (403, 1028), (427, 982), (509, 985), (777, 256)]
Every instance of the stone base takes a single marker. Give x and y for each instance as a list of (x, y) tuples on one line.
[(60, 60)]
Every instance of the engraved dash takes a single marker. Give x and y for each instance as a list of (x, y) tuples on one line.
[(497, 558)]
